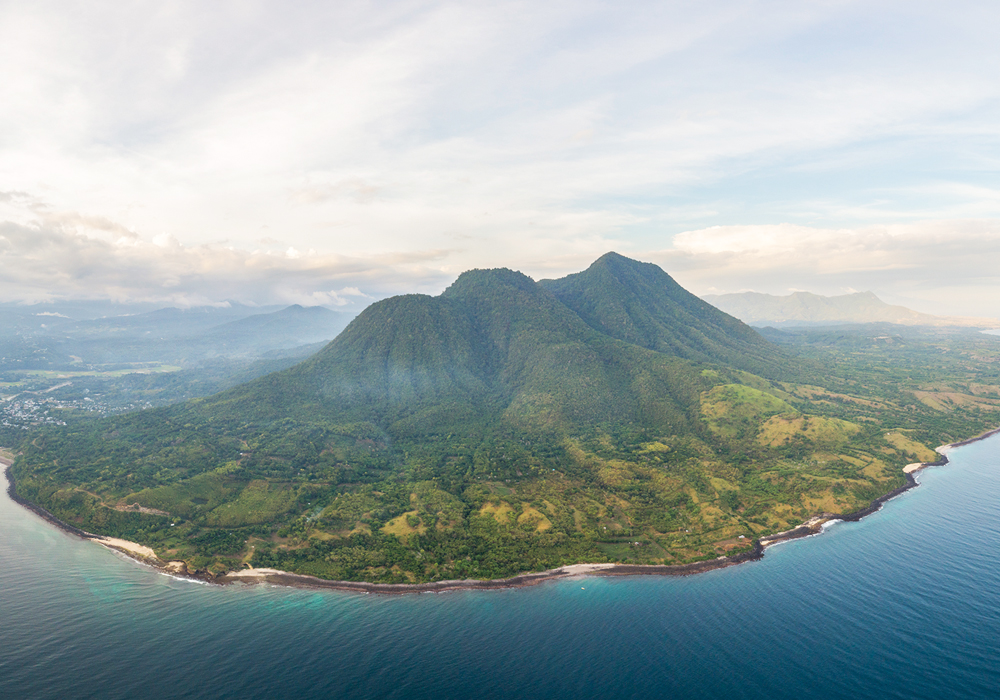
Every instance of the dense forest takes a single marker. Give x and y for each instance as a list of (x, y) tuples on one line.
[(509, 425)]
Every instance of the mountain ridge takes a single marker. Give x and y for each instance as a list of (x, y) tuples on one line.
[(657, 313), (807, 308), (494, 341)]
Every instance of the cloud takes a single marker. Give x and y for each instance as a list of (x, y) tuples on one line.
[(45, 262), (946, 267), (333, 297), (293, 151), (355, 188), (14, 196), (208, 122)]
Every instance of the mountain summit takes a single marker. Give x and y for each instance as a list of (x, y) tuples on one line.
[(641, 304)]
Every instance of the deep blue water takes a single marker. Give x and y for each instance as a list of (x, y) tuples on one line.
[(904, 604)]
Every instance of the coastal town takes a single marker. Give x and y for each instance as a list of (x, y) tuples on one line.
[(32, 408)]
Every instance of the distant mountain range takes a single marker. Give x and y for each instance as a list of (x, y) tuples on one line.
[(53, 336), (802, 308)]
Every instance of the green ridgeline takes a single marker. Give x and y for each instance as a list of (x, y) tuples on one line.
[(641, 304), (501, 427)]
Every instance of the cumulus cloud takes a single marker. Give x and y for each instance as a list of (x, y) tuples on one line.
[(947, 267), (334, 297), (49, 262)]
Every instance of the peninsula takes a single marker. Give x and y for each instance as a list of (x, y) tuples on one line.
[(509, 426)]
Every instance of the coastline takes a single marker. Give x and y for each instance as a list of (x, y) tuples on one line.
[(811, 527), (132, 550)]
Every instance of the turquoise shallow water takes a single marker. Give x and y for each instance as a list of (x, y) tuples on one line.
[(904, 604)]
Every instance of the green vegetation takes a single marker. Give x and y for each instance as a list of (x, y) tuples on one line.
[(509, 425), (145, 368)]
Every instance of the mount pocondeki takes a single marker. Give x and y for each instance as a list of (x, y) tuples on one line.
[(504, 426)]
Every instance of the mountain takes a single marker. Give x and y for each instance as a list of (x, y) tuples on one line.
[(259, 334), (506, 425), (162, 323), (180, 337), (641, 304), (806, 308), (495, 352), (498, 346)]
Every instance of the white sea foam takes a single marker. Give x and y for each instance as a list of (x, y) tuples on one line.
[(822, 528), (186, 579), (158, 570)]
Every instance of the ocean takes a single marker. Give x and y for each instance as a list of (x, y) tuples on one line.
[(903, 604)]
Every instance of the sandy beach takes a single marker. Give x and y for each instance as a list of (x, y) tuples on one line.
[(256, 573), (571, 570), (285, 578), (583, 569), (132, 548)]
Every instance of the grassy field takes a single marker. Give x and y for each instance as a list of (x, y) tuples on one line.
[(71, 374)]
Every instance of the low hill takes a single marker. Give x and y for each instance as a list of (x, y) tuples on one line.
[(504, 426), (259, 334), (806, 308), (168, 322)]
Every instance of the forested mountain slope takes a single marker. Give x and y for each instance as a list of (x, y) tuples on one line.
[(503, 426), (494, 347), (641, 304)]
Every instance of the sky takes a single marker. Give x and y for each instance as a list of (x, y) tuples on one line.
[(190, 153)]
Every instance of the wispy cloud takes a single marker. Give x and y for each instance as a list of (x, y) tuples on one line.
[(530, 135)]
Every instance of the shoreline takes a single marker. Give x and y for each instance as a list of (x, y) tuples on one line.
[(813, 526), (132, 550)]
